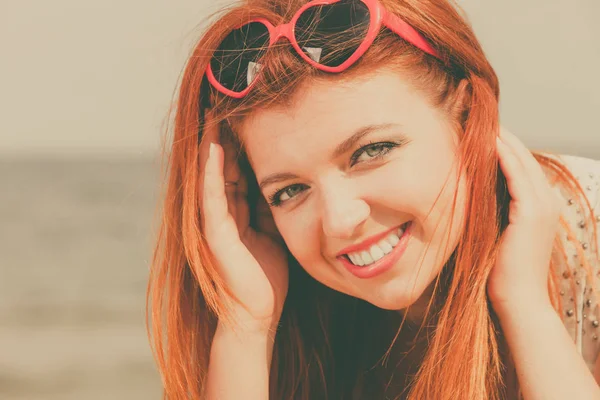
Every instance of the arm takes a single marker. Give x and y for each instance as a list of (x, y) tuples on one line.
[(239, 365), (548, 365), (547, 362)]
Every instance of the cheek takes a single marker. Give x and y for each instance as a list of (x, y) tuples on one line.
[(425, 195), (447, 222), (300, 236), (423, 173), (432, 195)]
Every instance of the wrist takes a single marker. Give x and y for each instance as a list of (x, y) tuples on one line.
[(237, 318), (525, 306), (242, 353), (248, 327), (243, 335)]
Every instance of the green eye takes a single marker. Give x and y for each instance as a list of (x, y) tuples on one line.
[(276, 200), (372, 150)]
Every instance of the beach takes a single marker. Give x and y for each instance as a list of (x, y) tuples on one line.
[(75, 244)]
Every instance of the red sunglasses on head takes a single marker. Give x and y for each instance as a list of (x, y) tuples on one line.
[(328, 34)]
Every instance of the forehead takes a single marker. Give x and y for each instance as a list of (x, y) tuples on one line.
[(323, 114)]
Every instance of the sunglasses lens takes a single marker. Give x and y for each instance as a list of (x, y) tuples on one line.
[(330, 34), (235, 62)]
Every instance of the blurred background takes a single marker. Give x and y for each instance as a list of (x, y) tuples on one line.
[(84, 91)]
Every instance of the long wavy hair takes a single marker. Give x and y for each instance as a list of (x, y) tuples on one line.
[(327, 343)]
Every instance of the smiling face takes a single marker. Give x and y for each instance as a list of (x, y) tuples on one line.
[(351, 162)]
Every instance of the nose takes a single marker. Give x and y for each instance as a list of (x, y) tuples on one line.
[(343, 213)]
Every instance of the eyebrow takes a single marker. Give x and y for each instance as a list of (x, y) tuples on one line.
[(340, 149)]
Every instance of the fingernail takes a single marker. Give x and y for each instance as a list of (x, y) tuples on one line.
[(211, 149)]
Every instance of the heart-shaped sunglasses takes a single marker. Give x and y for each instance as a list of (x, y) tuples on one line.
[(328, 34)]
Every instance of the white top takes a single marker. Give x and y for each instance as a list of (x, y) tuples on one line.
[(581, 314)]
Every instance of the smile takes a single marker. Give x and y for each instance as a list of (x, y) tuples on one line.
[(379, 256)]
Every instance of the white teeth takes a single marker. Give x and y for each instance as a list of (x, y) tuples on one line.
[(356, 260), (366, 257), (393, 239), (386, 246), (377, 251)]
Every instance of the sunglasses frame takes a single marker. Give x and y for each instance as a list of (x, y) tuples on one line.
[(379, 17)]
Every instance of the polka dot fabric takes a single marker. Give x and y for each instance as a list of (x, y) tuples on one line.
[(581, 314)]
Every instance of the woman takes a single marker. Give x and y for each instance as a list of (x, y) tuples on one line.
[(345, 219)]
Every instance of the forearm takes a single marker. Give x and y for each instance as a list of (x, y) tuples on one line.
[(239, 365), (547, 362)]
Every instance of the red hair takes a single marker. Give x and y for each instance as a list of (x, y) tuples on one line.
[(315, 353)]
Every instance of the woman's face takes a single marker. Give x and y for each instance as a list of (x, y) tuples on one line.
[(354, 160)]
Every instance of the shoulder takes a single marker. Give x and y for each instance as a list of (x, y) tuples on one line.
[(584, 168), (578, 288), (587, 174)]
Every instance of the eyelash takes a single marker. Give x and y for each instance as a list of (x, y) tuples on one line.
[(274, 200)]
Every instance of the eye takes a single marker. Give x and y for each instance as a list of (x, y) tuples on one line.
[(373, 150), (276, 198)]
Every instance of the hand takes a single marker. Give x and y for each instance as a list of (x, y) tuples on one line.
[(253, 263), (523, 263)]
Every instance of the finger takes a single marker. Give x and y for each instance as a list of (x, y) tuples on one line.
[(208, 135), (231, 169), (237, 194), (547, 201), (218, 222), (519, 186), (532, 168), (522, 151), (211, 133)]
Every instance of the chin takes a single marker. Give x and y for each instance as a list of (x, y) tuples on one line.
[(395, 296)]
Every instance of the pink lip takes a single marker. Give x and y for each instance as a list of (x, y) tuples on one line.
[(382, 264), (366, 245)]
